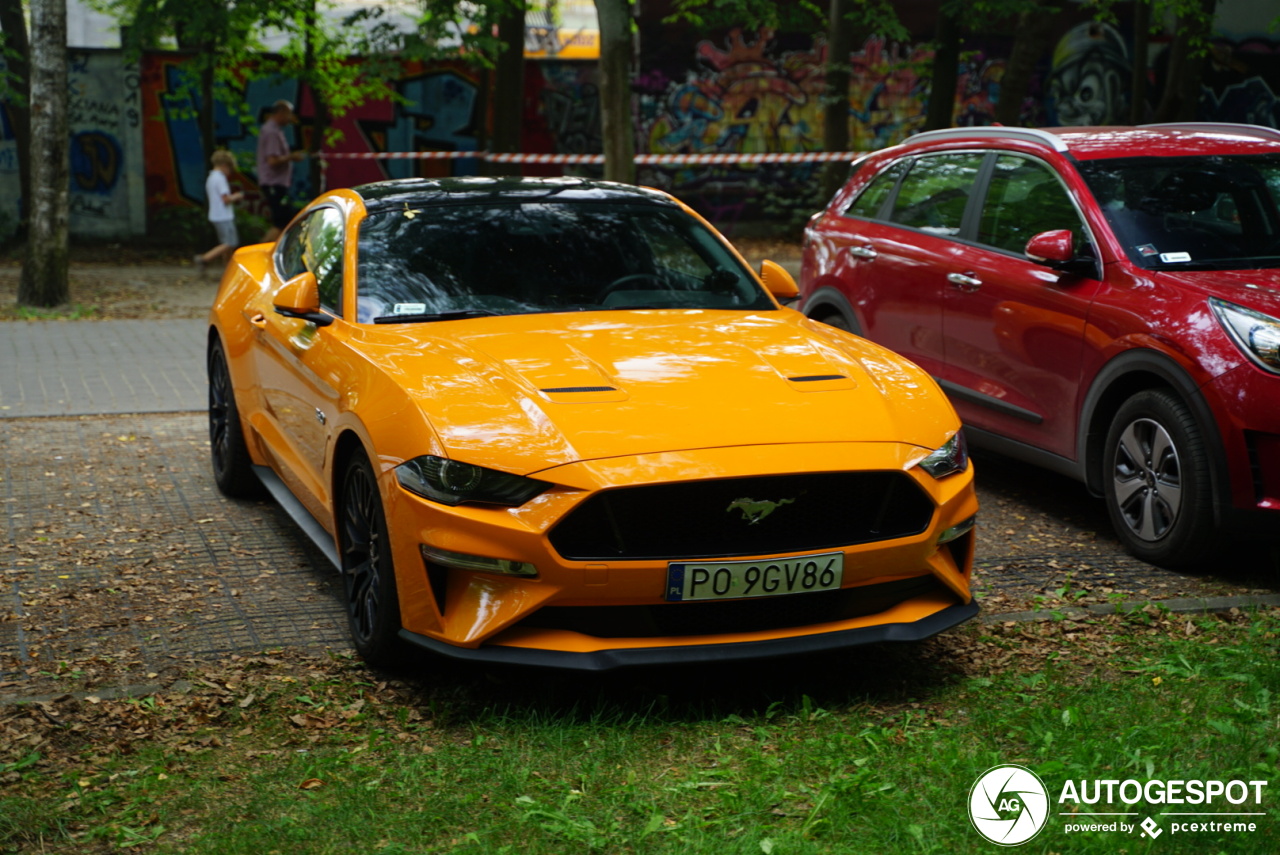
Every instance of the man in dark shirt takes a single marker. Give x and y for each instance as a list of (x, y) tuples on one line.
[(275, 166)]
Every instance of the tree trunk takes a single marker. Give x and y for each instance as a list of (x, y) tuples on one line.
[(1141, 42), (508, 91), (13, 23), (616, 121), (835, 114), (208, 116), (44, 270), (1030, 42), (320, 119), (1181, 96), (946, 74)]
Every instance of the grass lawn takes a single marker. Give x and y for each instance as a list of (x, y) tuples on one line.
[(872, 751)]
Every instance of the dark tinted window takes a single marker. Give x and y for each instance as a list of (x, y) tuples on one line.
[(322, 253), (1178, 212), (933, 196), (1024, 199), (872, 197), (315, 244), (544, 256)]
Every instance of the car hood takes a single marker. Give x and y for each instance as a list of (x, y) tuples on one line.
[(526, 393), (1255, 289)]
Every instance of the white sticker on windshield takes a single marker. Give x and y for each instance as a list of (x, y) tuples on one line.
[(1174, 257), (418, 308)]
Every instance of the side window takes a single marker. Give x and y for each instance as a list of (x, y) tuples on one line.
[(934, 193), (1025, 198), (289, 251), (871, 199), (322, 253)]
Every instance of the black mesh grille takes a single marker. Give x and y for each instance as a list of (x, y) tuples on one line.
[(715, 618), (710, 519)]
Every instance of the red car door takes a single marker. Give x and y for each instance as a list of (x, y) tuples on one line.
[(902, 262), (1015, 329)]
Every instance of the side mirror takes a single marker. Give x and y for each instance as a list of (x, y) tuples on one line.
[(300, 298), (1053, 247), (1056, 249), (778, 281)]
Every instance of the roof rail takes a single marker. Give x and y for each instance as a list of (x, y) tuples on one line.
[(1036, 135), (1260, 131)]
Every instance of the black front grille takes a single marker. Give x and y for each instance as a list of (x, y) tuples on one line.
[(763, 515), (717, 618)]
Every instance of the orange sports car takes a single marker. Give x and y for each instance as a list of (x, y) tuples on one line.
[(561, 423)]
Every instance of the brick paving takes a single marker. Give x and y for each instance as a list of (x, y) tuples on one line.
[(66, 368)]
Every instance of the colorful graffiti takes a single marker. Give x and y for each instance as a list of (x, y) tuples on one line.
[(439, 112)]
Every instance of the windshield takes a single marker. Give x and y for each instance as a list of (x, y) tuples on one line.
[(1198, 213), (446, 261)]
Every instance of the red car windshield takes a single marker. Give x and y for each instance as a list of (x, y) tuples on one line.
[(1192, 213)]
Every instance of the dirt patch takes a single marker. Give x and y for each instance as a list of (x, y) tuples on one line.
[(114, 292)]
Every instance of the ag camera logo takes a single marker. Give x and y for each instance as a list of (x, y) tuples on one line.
[(1008, 804)]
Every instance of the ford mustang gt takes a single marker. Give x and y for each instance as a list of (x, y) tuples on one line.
[(559, 422)]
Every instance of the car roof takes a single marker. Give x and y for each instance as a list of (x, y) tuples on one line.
[(419, 191), (1091, 143)]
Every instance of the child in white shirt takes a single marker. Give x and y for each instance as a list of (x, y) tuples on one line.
[(218, 190)]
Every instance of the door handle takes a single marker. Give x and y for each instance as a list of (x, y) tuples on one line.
[(259, 320), (862, 251), (964, 282)]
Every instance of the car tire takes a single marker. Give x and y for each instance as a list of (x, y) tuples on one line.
[(232, 465), (1156, 480), (369, 579)]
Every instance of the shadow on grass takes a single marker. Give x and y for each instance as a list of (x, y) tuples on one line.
[(880, 675)]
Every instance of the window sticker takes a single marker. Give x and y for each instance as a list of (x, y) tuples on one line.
[(410, 309), (1174, 257), (1147, 250)]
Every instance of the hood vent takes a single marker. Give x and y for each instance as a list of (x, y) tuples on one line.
[(558, 390), (814, 378)]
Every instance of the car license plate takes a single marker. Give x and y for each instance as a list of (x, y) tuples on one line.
[(729, 580)]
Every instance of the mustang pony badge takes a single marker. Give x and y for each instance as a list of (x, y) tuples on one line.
[(753, 511)]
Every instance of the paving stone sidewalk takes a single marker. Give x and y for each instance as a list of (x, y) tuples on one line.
[(72, 368)]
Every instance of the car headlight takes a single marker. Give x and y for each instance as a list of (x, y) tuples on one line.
[(452, 482), (1258, 335), (951, 458)]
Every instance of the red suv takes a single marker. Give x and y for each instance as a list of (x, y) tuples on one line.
[(1102, 302)]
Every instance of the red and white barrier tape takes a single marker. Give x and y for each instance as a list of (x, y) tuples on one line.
[(642, 159)]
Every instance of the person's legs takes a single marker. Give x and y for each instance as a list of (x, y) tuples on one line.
[(282, 210)]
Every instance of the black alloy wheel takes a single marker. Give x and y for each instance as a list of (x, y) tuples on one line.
[(373, 607), (232, 465)]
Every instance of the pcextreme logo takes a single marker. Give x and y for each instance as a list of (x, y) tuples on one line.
[(1008, 804)]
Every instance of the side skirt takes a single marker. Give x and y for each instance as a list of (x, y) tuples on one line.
[(300, 515)]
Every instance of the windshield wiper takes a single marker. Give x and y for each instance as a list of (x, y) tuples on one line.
[(426, 317)]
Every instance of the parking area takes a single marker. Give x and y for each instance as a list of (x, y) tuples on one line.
[(119, 556)]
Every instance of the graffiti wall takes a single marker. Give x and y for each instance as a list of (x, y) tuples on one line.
[(439, 112), (136, 148), (105, 117), (750, 89)]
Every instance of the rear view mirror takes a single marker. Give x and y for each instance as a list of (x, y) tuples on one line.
[(300, 298), (778, 281)]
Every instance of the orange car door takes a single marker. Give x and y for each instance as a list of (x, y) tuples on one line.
[(292, 358)]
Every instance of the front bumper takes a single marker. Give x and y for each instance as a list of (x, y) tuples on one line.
[(693, 654), (497, 618)]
